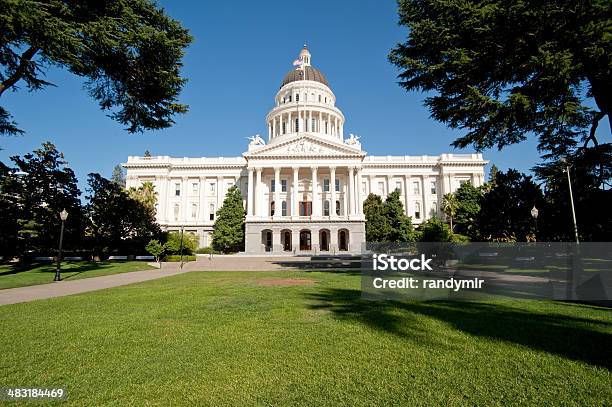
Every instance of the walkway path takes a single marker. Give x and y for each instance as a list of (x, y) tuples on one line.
[(203, 263), (62, 288)]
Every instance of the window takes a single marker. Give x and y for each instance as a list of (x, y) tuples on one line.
[(325, 127), (297, 97), (325, 184), (177, 189), (433, 187), (297, 125), (417, 210), (338, 208), (325, 99), (326, 208), (363, 188), (284, 208), (194, 188), (284, 127), (194, 211), (319, 98), (273, 186), (272, 208), (305, 208), (381, 188), (176, 211), (337, 185), (283, 185), (289, 98), (416, 188), (212, 187), (398, 185), (211, 216)]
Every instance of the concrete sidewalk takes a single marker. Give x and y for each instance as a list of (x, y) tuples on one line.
[(62, 288)]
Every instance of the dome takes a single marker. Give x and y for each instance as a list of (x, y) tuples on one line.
[(312, 74)]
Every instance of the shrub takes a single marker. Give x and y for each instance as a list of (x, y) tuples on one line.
[(206, 250), (177, 258), (173, 244), (434, 230)]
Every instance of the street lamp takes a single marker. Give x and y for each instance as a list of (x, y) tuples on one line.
[(63, 216), (534, 215), (565, 161)]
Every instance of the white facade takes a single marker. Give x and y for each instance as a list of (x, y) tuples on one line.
[(303, 190)]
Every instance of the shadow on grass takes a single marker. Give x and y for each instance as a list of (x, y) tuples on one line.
[(567, 336), (346, 264), (76, 268)]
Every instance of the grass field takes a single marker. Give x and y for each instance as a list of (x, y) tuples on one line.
[(43, 273), (303, 338)]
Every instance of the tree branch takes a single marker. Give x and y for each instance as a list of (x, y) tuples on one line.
[(25, 59)]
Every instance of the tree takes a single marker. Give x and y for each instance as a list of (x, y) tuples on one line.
[(189, 241), (47, 186), (118, 176), (228, 231), (147, 153), (468, 199), (129, 52), (400, 225), (377, 228), (449, 207), (145, 194), (117, 222), (155, 248), (505, 213), (435, 230), (10, 203), (503, 70)]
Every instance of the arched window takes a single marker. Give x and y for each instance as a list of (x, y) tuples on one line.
[(176, 211), (284, 208), (319, 98), (194, 211), (297, 97), (326, 208), (272, 208), (417, 210), (338, 208), (211, 214)]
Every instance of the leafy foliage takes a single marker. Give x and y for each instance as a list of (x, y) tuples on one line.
[(155, 248), (129, 52), (450, 204), (377, 228), (435, 230), (228, 232), (469, 199), (117, 222), (46, 186), (505, 214), (118, 176), (145, 194), (173, 243)]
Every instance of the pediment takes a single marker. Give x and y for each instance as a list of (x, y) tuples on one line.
[(306, 146)]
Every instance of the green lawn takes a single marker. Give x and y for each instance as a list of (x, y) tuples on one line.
[(239, 339), (41, 274)]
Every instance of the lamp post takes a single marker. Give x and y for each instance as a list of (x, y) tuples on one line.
[(63, 216), (534, 215), (569, 185)]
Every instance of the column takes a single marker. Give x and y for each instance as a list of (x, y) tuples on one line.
[(359, 205), (388, 184), (258, 192), (406, 193), (341, 131), (332, 186), (351, 193), (202, 203), (184, 189), (315, 192), (277, 201), (425, 196), (319, 123), (269, 130), (162, 210), (310, 129), (250, 190), (294, 193), (220, 196)]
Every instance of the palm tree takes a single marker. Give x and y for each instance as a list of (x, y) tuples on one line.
[(449, 207), (145, 194)]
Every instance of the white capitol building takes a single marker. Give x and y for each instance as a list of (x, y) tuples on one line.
[(304, 188)]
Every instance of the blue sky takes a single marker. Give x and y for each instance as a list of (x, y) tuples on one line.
[(240, 54)]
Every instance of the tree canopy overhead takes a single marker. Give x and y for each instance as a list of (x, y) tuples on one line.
[(129, 52), (504, 69)]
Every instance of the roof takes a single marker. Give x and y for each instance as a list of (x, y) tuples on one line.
[(312, 74)]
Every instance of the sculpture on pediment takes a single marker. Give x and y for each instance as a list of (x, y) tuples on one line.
[(256, 140), (353, 140), (304, 147)]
